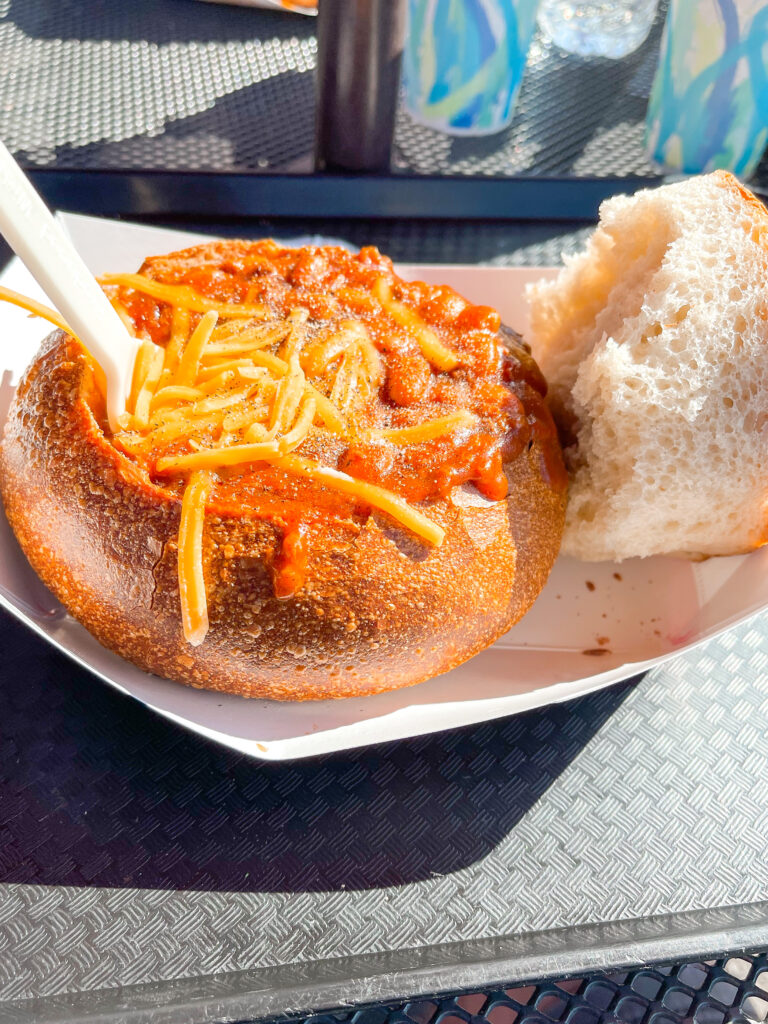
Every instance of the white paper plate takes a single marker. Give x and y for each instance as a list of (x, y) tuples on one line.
[(635, 615)]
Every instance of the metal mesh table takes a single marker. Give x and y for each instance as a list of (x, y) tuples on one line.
[(733, 988), (147, 875), (179, 85)]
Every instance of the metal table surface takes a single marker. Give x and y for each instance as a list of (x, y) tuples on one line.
[(145, 872), (135, 855)]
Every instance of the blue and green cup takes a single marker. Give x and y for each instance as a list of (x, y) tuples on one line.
[(464, 62), (709, 102)]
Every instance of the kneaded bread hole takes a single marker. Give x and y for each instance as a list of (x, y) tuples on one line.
[(667, 387)]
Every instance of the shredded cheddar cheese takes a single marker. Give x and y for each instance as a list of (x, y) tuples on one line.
[(148, 367), (189, 359), (296, 335), (182, 295), (294, 437), (427, 431), (328, 412), (371, 494), (214, 384), (208, 373), (178, 338), (173, 395), (432, 348), (194, 604), (36, 308), (213, 458)]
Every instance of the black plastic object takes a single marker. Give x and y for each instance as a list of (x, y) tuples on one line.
[(359, 50)]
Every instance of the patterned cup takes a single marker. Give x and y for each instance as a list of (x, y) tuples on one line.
[(464, 61), (709, 102)]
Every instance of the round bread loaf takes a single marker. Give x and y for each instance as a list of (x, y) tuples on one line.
[(654, 341), (311, 592)]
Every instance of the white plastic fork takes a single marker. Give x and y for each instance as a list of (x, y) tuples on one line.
[(41, 244)]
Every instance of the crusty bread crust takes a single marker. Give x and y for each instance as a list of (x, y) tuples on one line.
[(379, 609)]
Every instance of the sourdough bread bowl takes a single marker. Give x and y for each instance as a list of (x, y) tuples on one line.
[(654, 342), (313, 587)]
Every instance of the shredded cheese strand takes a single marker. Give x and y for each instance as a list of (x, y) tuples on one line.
[(177, 340), (183, 295), (426, 431), (322, 353), (301, 428), (214, 458), (241, 344), (342, 391), (288, 396), (173, 394), (297, 333), (233, 328), (256, 432), (186, 372), (36, 308), (152, 367), (194, 603), (371, 494), (273, 363), (252, 373), (208, 387), (244, 419), (233, 397), (441, 357), (171, 430), (374, 371), (206, 373), (328, 412)]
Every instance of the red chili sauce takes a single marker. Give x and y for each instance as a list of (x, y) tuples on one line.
[(495, 379)]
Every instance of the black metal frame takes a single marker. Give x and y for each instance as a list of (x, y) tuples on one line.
[(214, 194)]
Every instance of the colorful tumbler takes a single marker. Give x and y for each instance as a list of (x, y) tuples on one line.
[(464, 61), (709, 102)]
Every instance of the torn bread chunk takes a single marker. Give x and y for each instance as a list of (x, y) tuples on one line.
[(654, 341)]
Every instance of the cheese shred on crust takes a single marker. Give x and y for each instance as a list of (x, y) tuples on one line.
[(371, 494), (241, 386), (194, 606), (429, 430)]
